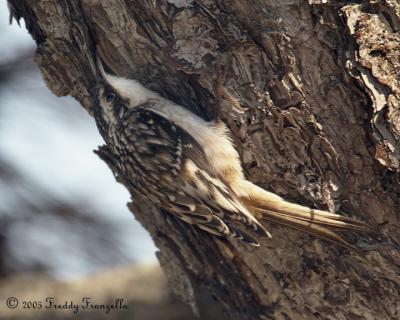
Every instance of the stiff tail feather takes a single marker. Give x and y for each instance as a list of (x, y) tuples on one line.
[(268, 206)]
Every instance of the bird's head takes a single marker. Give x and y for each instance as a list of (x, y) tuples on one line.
[(116, 95)]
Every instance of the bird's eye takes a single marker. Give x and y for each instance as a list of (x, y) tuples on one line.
[(110, 97)]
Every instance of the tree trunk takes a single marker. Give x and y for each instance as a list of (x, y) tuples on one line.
[(311, 93)]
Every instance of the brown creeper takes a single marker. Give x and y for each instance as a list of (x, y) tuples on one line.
[(190, 167)]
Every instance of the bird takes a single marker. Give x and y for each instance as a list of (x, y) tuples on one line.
[(190, 167)]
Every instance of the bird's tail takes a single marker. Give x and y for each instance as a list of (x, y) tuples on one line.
[(268, 206)]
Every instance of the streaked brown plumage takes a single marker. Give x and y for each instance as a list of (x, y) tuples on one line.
[(190, 168)]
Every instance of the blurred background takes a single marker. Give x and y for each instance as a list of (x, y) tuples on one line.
[(55, 194), (64, 224)]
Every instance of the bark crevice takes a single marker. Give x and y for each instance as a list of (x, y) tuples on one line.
[(311, 93)]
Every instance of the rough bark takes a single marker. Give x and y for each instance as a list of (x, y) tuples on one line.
[(311, 92)]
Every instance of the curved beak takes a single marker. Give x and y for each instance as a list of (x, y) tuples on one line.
[(101, 75)]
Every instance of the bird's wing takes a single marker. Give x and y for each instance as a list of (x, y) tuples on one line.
[(176, 174)]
